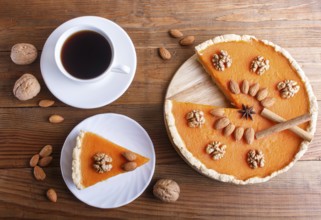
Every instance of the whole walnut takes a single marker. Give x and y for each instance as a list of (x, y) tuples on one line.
[(23, 53), (166, 190), (26, 87)]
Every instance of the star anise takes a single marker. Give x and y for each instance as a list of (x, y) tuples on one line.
[(247, 112)]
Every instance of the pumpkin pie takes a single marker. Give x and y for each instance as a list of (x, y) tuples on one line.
[(96, 159), (220, 142)]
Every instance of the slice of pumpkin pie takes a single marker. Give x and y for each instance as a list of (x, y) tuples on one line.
[(96, 159)]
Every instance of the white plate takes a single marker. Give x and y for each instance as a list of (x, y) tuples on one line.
[(121, 189), (89, 95)]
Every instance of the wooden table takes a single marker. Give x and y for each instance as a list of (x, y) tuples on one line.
[(24, 127)]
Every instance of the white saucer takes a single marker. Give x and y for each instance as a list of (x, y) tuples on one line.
[(124, 188), (92, 95)]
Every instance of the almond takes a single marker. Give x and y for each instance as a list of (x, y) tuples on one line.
[(46, 103), (164, 53), (45, 161), (175, 33), (218, 112), (129, 166), (46, 151), (249, 135), (51, 195), (130, 156), (262, 94), (245, 86), (268, 102), (34, 160), (221, 123), (254, 89), (234, 87), (186, 41), (56, 119), (238, 133), (228, 130), (38, 173)]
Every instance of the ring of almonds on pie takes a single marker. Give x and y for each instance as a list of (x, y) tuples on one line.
[(256, 138)]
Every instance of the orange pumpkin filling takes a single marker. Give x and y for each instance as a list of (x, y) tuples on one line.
[(279, 149), (92, 144)]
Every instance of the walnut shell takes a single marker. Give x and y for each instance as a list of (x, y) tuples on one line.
[(26, 87), (166, 190), (23, 53)]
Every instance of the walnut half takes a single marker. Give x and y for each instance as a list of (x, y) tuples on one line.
[(288, 88), (195, 118), (255, 159), (259, 65), (222, 60), (216, 150), (102, 162)]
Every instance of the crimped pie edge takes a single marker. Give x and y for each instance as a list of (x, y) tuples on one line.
[(76, 162)]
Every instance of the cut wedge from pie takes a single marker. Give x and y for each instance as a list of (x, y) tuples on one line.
[(220, 142), (91, 150)]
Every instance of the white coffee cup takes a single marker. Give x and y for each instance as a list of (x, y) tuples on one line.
[(113, 66)]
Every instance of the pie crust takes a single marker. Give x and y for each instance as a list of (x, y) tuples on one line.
[(76, 162)]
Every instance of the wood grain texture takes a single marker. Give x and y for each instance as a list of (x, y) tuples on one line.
[(192, 84), (298, 190), (24, 127)]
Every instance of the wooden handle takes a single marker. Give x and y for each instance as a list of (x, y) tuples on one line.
[(283, 125)]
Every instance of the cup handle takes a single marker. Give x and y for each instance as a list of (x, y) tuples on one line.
[(120, 68)]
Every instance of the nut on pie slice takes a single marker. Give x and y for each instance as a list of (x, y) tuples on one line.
[(96, 159), (220, 142)]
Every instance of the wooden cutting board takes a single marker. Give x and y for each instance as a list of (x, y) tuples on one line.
[(191, 83)]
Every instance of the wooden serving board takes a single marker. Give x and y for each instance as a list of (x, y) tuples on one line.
[(192, 84)]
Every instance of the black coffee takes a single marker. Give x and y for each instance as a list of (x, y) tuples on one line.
[(86, 54)]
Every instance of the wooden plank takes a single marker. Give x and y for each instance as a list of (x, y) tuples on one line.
[(25, 130), (295, 194), (284, 34), (147, 24), (151, 80)]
